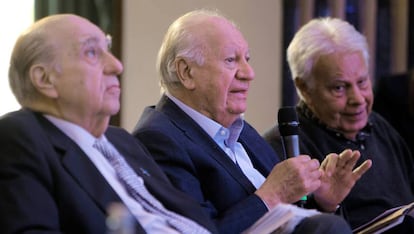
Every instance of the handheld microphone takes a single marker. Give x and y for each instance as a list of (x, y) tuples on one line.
[(289, 131)]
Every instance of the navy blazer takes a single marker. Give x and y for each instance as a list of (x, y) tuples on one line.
[(198, 166), (48, 184)]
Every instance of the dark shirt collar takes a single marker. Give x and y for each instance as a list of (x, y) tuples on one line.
[(306, 112)]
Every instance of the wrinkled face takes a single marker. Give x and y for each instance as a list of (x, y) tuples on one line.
[(222, 82), (86, 72), (342, 96)]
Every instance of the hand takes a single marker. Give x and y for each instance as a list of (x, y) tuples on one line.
[(338, 178), (290, 180)]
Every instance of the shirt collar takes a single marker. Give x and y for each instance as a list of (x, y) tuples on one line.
[(75, 132), (229, 136), (215, 130)]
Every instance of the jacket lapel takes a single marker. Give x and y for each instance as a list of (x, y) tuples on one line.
[(135, 154), (261, 155), (196, 134), (79, 166)]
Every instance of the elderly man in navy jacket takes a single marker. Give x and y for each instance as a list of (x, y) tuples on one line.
[(197, 134)]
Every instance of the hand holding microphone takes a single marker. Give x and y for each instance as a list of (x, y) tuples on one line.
[(289, 129), (334, 185), (290, 179)]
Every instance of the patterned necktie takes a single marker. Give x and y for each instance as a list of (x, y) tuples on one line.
[(136, 188)]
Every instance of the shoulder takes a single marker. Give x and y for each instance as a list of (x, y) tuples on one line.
[(26, 140), (19, 117), (155, 126), (250, 132), (21, 123), (383, 129), (152, 117), (378, 121), (122, 138), (157, 115), (166, 118), (117, 131)]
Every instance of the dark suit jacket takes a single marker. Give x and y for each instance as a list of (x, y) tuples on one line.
[(49, 185), (198, 166)]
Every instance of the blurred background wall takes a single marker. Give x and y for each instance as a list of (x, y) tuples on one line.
[(138, 26)]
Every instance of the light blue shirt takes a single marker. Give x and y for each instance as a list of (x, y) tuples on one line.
[(226, 138)]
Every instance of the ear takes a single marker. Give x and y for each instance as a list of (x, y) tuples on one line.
[(184, 73), (43, 81), (303, 88)]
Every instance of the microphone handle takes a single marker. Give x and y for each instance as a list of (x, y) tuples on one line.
[(291, 145)]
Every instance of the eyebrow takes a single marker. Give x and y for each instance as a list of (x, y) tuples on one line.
[(95, 40)]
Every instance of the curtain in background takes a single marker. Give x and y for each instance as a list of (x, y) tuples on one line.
[(386, 24), (104, 13)]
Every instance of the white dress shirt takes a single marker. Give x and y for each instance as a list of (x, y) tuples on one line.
[(151, 223)]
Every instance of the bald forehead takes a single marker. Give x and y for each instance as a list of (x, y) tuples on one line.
[(217, 29), (210, 26), (57, 21), (68, 29), (202, 21), (64, 25)]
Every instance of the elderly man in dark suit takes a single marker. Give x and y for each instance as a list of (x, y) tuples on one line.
[(54, 177), (197, 134)]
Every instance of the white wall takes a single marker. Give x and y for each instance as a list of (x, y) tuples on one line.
[(15, 16), (145, 22)]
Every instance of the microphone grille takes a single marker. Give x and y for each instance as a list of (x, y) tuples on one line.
[(288, 121)]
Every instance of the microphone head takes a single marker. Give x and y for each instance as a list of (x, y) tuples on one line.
[(288, 121)]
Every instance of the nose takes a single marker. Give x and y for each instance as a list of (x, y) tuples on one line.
[(356, 95), (245, 71), (112, 65)]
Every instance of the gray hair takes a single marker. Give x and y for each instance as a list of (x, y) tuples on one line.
[(30, 48), (181, 42), (322, 36)]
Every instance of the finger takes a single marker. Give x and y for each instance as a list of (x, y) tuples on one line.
[(330, 163), (300, 159), (364, 167), (314, 164), (353, 160), (344, 156), (313, 175), (307, 161), (349, 159), (303, 158), (328, 160)]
